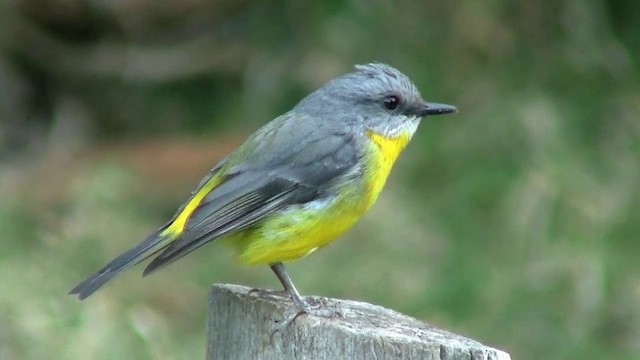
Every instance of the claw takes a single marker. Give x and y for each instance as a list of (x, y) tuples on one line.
[(304, 308)]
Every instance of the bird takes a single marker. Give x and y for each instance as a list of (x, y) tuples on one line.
[(297, 183)]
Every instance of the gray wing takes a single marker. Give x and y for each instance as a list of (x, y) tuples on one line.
[(262, 184)]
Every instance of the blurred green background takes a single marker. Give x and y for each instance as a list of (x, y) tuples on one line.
[(515, 222)]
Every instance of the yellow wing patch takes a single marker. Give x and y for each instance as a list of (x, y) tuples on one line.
[(177, 225)]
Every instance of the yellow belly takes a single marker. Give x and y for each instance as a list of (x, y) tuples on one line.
[(300, 230)]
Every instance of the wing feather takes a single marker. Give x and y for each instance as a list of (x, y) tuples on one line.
[(260, 184), (239, 214)]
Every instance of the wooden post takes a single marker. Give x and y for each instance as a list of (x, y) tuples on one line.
[(244, 325)]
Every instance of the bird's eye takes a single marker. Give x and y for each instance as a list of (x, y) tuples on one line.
[(392, 102)]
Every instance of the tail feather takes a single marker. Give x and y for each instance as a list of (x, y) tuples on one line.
[(173, 253), (148, 247)]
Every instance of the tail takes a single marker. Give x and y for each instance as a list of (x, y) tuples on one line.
[(148, 247)]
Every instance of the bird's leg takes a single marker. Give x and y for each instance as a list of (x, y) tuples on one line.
[(285, 280), (302, 306)]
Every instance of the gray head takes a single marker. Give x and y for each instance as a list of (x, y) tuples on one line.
[(375, 96)]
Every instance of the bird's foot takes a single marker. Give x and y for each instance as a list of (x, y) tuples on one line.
[(302, 307)]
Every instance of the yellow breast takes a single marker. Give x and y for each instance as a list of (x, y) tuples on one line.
[(383, 154), (302, 229)]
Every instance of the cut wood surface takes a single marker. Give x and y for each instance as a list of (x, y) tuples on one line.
[(248, 325)]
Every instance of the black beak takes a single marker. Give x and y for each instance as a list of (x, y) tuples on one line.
[(435, 109)]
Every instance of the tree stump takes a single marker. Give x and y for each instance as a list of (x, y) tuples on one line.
[(248, 325)]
